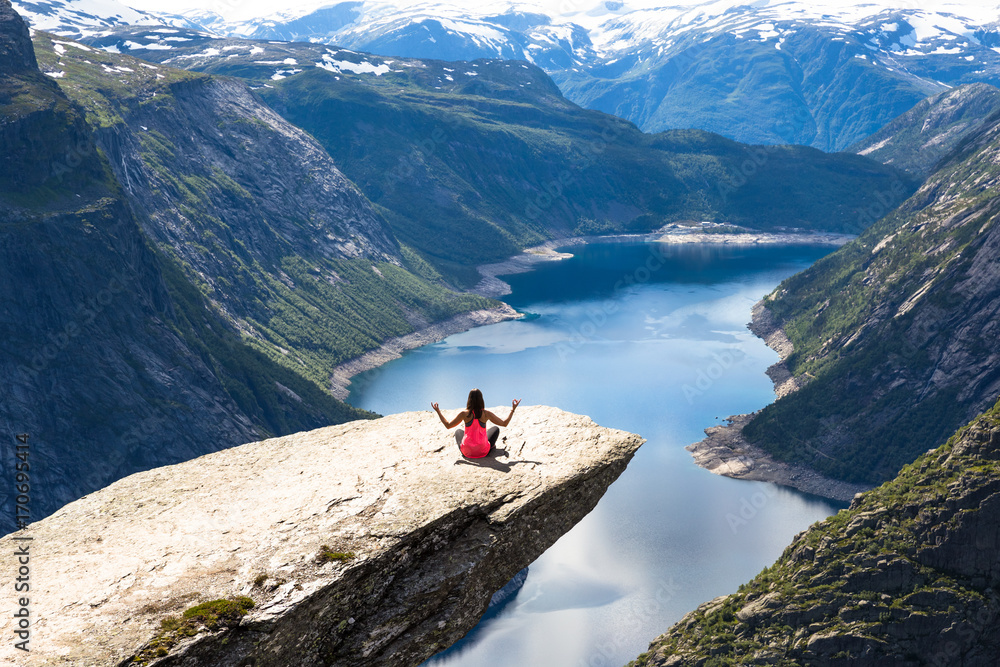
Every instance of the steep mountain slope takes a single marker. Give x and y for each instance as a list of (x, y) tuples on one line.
[(112, 363), (907, 576), (899, 329), (922, 136), (471, 161), (254, 210), (776, 71)]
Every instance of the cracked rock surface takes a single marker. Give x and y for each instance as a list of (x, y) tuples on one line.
[(433, 536)]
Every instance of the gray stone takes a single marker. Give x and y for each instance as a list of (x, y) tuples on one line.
[(433, 537)]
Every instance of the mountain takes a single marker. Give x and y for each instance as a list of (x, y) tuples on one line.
[(470, 162), (113, 362), (770, 72), (896, 332), (907, 576), (921, 137), (781, 72), (78, 18), (255, 212)]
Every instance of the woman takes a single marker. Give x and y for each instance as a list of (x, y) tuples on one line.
[(475, 441)]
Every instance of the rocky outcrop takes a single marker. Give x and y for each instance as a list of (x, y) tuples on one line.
[(922, 136), (907, 576), (367, 543), (16, 54), (724, 451)]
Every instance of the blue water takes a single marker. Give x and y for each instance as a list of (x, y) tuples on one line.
[(652, 339)]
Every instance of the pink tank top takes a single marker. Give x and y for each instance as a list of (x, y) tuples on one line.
[(475, 444)]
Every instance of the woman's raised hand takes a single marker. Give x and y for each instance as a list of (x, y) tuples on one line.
[(435, 407), (516, 402)]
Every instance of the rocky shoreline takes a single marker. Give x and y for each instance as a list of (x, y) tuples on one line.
[(494, 287), (393, 348), (762, 238), (725, 451)]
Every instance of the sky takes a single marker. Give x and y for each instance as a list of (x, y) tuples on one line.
[(241, 10)]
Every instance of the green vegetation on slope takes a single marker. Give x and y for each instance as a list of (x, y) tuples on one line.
[(275, 397), (470, 161), (898, 328), (470, 174), (906, 574), (254, 213)]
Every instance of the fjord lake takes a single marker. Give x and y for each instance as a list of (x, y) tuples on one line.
[(649, 338)]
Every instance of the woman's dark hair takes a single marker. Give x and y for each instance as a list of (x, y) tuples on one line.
[(475, 403)]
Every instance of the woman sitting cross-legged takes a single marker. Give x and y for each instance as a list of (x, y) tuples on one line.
[(475, 441)]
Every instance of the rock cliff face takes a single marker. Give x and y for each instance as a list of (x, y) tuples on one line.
[(16, 54), (907, 576), (112, 362), (417, 539), (928, 132), (898, 329), (253, 209)]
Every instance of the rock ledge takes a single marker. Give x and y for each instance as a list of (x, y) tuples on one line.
[(433, 537)]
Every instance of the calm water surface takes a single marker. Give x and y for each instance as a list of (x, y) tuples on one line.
[(647, 338)]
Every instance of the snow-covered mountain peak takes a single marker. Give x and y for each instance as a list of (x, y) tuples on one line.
[(80, 18)]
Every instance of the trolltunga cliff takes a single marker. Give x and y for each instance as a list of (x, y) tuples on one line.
[(422, 540)]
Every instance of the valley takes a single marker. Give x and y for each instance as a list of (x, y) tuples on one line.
[(218, 231)]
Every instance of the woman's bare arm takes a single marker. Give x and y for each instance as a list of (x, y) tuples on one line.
[(454, 422), (502, 422)]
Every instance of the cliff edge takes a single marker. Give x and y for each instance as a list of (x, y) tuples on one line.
[(366, 543), (907, 576)]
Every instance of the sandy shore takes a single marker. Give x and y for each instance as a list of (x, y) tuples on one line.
[(726, 452), (394, 347)]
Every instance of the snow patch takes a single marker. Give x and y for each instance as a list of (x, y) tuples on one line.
[(282, 73), (363, 67), (130, 45), (75, 45)]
